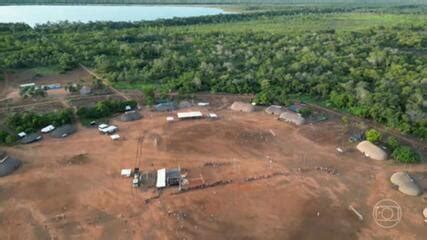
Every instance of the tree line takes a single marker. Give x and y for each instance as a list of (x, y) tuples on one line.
[(379, 73)]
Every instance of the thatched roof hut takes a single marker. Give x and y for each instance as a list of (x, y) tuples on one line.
[(292, 117), (63, 131), (130, 116), (165, 107), (242, 107), (7, 164), (275, 110), (30, 138), (184, 104), (406, 184), (371, 150), (85, 90)]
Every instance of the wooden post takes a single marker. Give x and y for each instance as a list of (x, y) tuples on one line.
[(356, 212)]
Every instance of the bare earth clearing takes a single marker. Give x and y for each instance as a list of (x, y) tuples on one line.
[(71, 188)]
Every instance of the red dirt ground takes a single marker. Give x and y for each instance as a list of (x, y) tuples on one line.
[(71, 188)]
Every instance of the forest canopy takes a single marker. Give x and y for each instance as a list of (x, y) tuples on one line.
[(377, 72)]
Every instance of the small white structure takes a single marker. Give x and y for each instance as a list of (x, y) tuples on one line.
[(22, 134), (188, 115), (203, 104), (111, 129), (102, 126), (212, 115), (115, 137), (26, 85), (126, 172), (170, 119), (128, 108), (161, 178), (47, 129)]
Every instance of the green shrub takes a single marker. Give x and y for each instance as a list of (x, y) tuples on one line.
[(405, 154), (31, 122), (392, 143), (373, 136), (104, 109), (10, 139), (305, 112)]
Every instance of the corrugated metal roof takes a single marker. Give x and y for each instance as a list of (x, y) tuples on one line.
[(161, 178), (189, 114)]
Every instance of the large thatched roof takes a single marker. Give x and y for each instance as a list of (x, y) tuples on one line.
[(406, 184), (165, 107), (63, 131), (275, 110), (292, 117), (130, 116), (30, 138), (184, 104), (8, 164), (371, 150), (242, 107)]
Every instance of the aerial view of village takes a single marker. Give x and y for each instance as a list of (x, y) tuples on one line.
[(219, 119)]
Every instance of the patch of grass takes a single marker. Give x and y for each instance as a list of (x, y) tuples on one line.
[(46, 71), (138, 86), (355, 21)]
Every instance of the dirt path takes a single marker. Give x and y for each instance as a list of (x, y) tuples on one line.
[(106, 82)]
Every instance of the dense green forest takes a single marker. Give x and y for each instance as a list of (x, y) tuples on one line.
[(206, 1), (371, 62)]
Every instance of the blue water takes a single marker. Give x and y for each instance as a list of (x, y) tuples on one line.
[(34, 14)]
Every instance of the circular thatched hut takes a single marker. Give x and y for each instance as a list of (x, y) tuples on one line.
[(292, 117), (406, 184), (8, 164), (184, 104), (63, 131), (242, 107), (130, 116), (371, 150)]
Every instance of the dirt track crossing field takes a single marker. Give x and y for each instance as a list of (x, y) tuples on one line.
[(71, 188)]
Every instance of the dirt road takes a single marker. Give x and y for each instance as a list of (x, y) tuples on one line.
[(71, 188)]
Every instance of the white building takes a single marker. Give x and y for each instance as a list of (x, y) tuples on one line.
[(188, 115)]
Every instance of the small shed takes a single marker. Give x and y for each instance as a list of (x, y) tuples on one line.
[(165, 107), (115, 137), (173, 176), (212, 115), (161, 178), (170, 119), (127, 172), (275, 110), (30, 138), (292, 117), (63, 131), (371, 150), (85, 90), (130, 116), (22, 134), (48, 129), (242, 107), (8, 164), (202, 104)]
